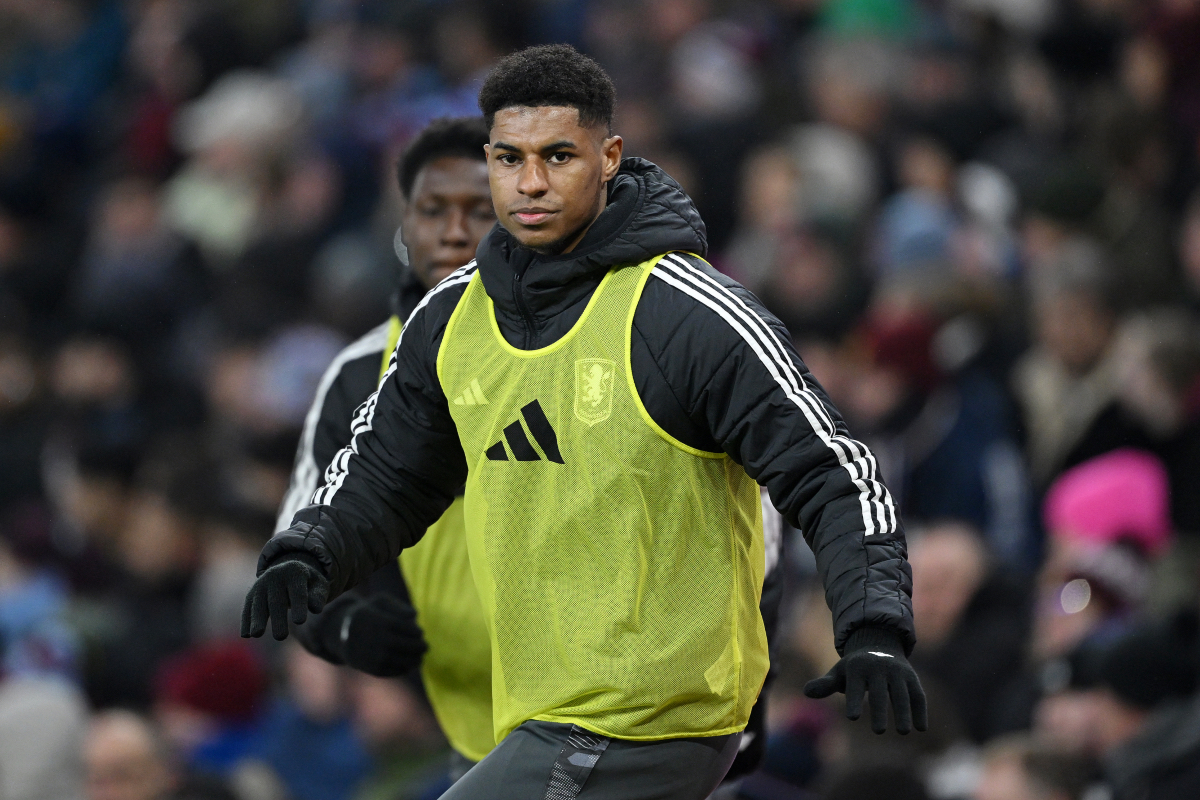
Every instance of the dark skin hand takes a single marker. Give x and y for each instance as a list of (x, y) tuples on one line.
[(549, 175), (449, 211)]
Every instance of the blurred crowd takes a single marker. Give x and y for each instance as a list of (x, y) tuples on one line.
[(980, 219)]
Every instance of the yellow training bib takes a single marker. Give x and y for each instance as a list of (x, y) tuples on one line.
[(619, 570)]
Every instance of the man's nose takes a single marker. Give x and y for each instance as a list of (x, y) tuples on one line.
[(454, 233), (533, 182)]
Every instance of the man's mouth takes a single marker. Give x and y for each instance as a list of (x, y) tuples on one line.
[(532, 216)]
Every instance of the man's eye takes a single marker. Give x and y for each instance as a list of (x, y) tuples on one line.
[(430, 211), (485, 212), (507, 159), (559, 158)]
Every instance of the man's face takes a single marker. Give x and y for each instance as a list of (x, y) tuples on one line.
[(122, 765), (449, 212), (548, 174)]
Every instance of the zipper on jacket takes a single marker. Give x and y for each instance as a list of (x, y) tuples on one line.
[(519, 299)]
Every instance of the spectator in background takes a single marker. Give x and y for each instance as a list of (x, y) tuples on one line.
[(138, 277), (1161, 387), (127, 759), (1106, 520), (812, 283), (879, 780), (1119, 498), (1067, 382), (308, 737), (971, 621), (209, 702), (1020, 768), (33, 604), (1151, 678), (941, 440), (38, 249), (917, 225), (227, 558), (68, 57), (1131, 704), (42, 726), (154, 556), (231, 135), (23, 423), (409, 752)]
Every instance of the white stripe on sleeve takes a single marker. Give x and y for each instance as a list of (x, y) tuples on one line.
[(878, 511), (306, 473)]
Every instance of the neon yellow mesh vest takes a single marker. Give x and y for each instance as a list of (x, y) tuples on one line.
[(457, 669), (620, 570)]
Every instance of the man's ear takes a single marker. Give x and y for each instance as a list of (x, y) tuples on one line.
[(610, 150)]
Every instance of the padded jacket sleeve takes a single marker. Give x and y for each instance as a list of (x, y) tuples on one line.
[(402, 468), (727, 370)]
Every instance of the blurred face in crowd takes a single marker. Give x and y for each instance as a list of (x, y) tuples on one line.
[(1006, 775), (1075, 328), (1093, 721), (92, 372), (157, 542), (123, 760), (387, 712), (927, 166), (1004, 778), (948, 565), (316, 686), (449, 211), (549, 175)]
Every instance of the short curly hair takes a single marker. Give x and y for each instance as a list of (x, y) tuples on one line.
[(464, 137), (550, 75)]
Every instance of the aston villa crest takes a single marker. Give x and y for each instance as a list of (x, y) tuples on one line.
[(594, 389)]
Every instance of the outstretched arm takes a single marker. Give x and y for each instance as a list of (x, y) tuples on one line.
[(735, 380), (399, 473)]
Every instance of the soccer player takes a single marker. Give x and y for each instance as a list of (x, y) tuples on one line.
[(609, 402), (446, 209)]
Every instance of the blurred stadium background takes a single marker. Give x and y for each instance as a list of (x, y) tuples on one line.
[(979, 218)]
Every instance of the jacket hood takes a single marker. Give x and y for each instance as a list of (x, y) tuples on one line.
[(648, 213)]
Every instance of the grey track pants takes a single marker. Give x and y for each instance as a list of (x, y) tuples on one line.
[(556, 761)]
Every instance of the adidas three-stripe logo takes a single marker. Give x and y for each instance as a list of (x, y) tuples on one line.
[(471, 396), (518, 442)]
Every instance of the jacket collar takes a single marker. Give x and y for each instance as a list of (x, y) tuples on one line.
[(647, 214), (406, 294)]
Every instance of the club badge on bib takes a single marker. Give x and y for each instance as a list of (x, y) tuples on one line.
[(594, 389)]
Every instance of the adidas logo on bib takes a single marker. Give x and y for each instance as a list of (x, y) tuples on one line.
[(472, 396), (519, 444)]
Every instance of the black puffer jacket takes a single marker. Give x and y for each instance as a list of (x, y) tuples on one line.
[(712, 367)]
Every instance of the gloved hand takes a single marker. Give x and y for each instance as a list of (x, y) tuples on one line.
[(380, 636), (874, 662), (296, 581)]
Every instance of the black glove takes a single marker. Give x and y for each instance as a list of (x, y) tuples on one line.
[(297, 581), (380, 636), (874, 662), (321, 634)]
